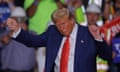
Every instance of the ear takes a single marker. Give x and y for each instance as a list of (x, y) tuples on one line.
[(72, 20)]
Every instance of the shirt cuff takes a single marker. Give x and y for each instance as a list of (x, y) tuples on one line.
[(100, 40), (15, 34)]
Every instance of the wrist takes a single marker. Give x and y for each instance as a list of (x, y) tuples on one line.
[(99, 39)]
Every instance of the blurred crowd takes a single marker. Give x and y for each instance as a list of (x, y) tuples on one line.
[(34, 16)]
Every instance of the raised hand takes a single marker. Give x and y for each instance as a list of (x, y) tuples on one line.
[(94, 30)]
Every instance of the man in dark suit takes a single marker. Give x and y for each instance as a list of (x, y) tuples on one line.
[(83, 46)]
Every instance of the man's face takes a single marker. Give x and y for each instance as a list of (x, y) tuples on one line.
[(92, 18), (12, 24), (64, 25)]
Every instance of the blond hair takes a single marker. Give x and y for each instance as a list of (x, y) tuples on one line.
[(60, 13)]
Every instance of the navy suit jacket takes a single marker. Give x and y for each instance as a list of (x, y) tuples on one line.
[(86, 48)]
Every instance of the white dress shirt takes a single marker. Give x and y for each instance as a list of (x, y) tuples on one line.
[(15, 34), (72, 51)]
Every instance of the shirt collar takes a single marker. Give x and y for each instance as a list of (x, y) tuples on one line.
[(74, 31)]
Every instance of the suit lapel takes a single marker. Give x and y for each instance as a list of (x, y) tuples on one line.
[(53, 48), (79, 49)]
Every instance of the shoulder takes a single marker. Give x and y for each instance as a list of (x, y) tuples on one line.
[(84, 31), (52, 27), (82, 28)]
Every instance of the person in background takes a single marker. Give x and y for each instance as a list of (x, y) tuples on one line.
[(39, 13), (4, 12), (115, 43), (93, 13), (78, 8), (116, 52), (14, 3), (116, 7), (116, 4), (6, 6), (16, 57)]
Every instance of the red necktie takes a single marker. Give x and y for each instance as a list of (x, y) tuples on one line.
[(64, 56)]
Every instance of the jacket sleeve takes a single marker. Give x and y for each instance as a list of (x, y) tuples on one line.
[(33, 40), (104, 51)]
